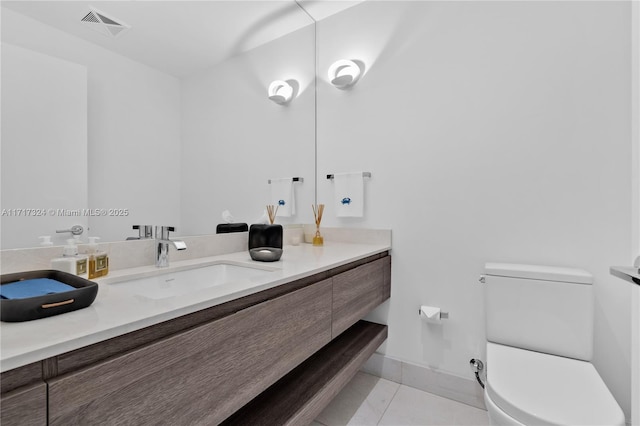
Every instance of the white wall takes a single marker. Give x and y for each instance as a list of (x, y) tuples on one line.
[(133, 129), (234, 139), (494, 131), (44, 146)]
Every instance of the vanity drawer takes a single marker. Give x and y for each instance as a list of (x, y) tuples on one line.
[(25, 406), (358, 291), (202, 375)]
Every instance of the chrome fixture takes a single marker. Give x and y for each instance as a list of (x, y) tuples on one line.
[(477, 367), (364, 175), (293, 179), (162, 250), (145, 232), (75, 230)]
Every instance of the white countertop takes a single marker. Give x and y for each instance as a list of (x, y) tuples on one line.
[(117, 311)]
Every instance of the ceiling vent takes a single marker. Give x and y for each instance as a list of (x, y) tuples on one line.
[(104, 24)]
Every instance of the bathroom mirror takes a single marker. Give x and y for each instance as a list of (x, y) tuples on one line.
[(125, 113)]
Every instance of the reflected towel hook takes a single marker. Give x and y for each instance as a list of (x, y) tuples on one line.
[(293, 179)]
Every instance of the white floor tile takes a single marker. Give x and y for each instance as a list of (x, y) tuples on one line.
[(361, 402), (415, 407)]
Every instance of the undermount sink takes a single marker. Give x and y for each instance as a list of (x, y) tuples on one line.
[(179, 283)]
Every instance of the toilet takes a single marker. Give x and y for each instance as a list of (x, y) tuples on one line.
[(539, 323)]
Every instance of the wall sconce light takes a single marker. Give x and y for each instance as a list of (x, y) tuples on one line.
[(344, 73), (280, 92)]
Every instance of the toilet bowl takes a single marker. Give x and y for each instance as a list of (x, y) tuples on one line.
[(531, 388), (539, 323)]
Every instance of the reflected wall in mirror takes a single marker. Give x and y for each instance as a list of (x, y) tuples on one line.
[(174, 125)]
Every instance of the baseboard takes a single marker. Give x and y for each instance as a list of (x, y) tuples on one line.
[(416, 376)]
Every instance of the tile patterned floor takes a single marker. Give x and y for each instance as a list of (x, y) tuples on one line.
[(369, 400)]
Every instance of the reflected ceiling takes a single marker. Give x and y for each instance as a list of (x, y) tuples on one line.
[(189, 35)]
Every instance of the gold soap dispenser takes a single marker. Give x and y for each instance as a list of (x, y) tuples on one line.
[(98, 261)]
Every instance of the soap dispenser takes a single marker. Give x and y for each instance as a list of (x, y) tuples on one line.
[(71, 261), (46, 241), (98, 261)]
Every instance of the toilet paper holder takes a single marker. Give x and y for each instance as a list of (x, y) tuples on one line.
[(432, 314)]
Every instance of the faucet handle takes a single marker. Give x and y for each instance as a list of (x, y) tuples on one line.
[(144, 231), (75, 230), (162, 232)]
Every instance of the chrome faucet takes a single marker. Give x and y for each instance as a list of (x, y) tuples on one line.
[(145, 232), (162, 250)]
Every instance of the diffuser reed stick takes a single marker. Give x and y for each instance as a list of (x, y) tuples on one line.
[(271, 211), (317, 214)]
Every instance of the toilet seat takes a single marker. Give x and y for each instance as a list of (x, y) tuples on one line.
[(542, 389)]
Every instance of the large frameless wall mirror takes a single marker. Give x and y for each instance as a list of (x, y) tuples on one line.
[(127, 113)]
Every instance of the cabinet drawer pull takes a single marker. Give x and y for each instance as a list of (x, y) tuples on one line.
[(53, 305)]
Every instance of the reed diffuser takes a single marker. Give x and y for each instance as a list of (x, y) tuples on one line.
[(317, 214), (272, 211)]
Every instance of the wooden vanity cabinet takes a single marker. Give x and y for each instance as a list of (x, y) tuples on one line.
[(203, 367), (24, 397), (200, 376), (25, 406), (357, 292)]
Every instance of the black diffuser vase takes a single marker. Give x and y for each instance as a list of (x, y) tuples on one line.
[(265, 242)]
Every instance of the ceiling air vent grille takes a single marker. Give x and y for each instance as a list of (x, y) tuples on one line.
[(91, 17), (104, 24)]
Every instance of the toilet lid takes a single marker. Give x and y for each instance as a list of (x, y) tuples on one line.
[(543, 389)]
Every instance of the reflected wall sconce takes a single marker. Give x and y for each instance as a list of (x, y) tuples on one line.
[(344, 73), (280, 92)]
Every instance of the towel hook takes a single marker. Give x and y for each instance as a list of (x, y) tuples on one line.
[(364, 175), (294, 179)]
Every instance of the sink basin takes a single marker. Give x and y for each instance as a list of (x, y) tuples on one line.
[(183, 282)]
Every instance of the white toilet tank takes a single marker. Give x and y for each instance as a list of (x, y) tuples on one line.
[(540, 308)]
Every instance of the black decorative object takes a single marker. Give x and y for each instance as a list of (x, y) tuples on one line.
[(265, 254), (265, 237), (227, 228)]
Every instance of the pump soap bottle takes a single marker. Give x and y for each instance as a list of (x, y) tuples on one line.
[(71, 261), (46, 241), (98, 261)]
